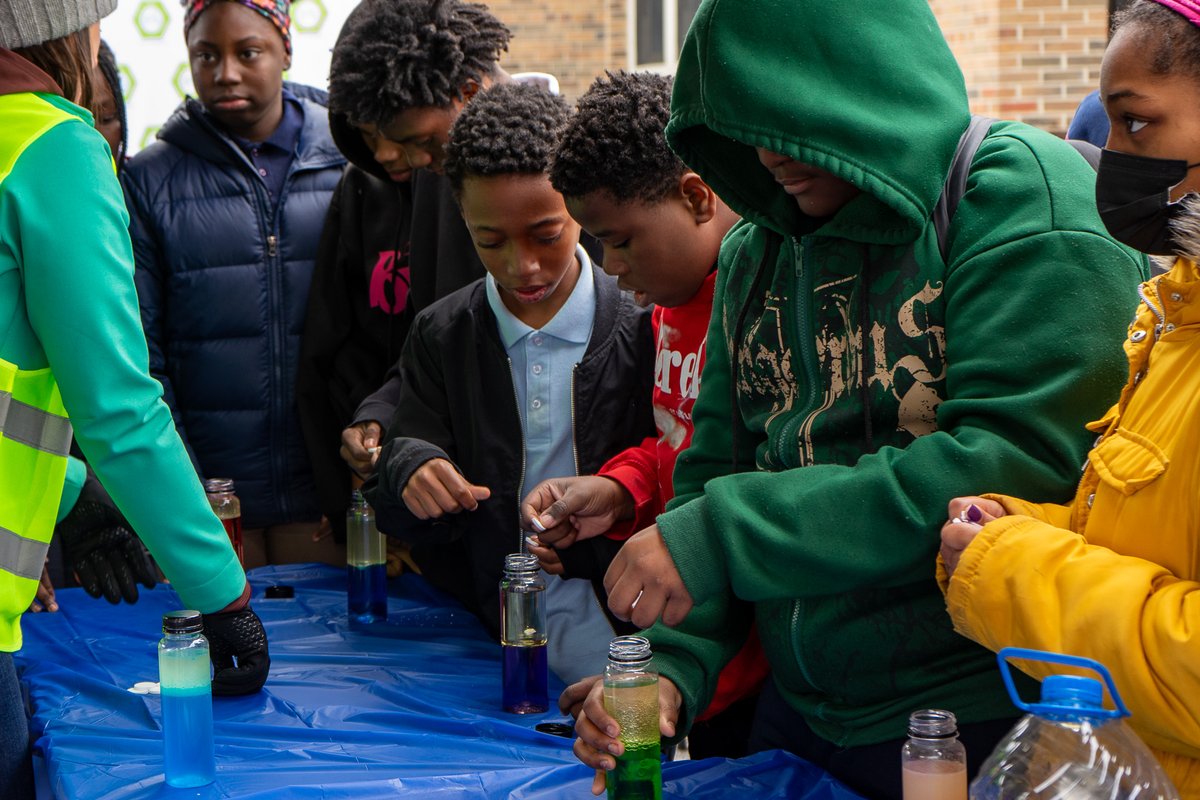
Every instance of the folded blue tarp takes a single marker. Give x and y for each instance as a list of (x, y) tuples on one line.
[(409, 707)]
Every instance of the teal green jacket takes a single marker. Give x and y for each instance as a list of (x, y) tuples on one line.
[(67, 301), (860, 382)]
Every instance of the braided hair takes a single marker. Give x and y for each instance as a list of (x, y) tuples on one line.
[(107, 63)]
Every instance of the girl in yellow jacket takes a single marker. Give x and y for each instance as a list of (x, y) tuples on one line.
[(1115, 575)]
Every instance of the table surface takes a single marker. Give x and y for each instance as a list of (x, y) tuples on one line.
[(410, 707)]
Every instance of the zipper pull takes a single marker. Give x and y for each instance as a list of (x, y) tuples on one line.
[(271, 245), (799, 255)]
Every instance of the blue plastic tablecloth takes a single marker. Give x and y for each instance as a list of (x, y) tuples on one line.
[(406, 708)]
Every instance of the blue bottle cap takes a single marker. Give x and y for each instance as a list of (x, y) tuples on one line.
[(1072, 690)]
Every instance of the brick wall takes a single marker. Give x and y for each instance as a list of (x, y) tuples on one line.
[(574, 40), (1030, 60)]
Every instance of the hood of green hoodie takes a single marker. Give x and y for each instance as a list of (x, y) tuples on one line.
[(867, 90)]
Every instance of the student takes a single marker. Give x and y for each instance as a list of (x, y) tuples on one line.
[(1113, 575), (539, 370), (855, 381), (111, 119), (402, 71), (226, 212), (661, 227), (73, 362)]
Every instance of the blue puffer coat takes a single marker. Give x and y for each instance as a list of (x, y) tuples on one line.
[(223, 285)]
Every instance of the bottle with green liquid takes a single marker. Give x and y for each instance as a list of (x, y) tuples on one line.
[(631, 697)]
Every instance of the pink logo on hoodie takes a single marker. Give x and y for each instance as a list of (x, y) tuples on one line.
[(388, 279)]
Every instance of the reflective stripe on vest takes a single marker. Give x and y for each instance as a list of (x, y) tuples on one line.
[(35, 433)]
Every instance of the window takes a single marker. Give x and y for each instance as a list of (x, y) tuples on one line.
[(657, 29)]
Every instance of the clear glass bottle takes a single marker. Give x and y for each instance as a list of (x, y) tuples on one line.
[(185, 677), (631, 698), (366, 564), (228, 508), (523, 636), (933, 762)]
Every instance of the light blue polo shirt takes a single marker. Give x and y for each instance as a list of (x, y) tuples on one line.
[(542, 365)]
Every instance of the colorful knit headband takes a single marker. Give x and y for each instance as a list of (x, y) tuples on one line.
[(1190, 9), (274, 10)]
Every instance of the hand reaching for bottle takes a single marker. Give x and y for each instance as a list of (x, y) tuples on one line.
[(571, 509)]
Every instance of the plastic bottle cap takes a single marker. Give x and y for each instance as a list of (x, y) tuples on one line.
[(1072, 690), (186, 621)]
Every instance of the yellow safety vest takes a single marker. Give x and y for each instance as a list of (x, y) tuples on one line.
[(35, 433)]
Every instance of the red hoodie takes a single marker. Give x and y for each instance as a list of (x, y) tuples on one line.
[(645, 471)]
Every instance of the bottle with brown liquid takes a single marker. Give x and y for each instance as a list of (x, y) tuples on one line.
[(933, 761), (228, 508)]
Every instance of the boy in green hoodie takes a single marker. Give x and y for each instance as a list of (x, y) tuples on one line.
[(856, 379)]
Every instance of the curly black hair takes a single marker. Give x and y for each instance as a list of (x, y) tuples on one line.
[(509, 129), (393, 55), (615, 141), (1174, 42)]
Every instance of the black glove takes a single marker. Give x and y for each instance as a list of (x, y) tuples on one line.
[(238, 647), (102, 549)]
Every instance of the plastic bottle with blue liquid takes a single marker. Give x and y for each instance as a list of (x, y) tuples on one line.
[(185, 677), (1069, 746)]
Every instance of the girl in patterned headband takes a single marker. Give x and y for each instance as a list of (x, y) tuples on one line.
[(274, 10)]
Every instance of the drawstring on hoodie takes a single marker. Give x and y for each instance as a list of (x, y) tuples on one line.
[(770, 254), (864, 319)]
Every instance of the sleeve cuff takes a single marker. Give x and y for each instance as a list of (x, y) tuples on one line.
[(690, 538)]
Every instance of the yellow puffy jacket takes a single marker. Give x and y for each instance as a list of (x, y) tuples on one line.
[(1115, 576)]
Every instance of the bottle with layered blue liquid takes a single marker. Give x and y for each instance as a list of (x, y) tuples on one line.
[(1069, 746), (186, 689), (525, 672), (366, 564)]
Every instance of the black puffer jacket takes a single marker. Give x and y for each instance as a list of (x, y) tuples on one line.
[(458, 402), (223, 283)]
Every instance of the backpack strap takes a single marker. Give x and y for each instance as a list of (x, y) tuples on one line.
[(960, 168), (956, 178), (1089, 151)]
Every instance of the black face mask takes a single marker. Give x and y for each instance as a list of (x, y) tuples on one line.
[(1133, 195)]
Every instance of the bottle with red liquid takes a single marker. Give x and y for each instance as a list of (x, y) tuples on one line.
[(228, 508)]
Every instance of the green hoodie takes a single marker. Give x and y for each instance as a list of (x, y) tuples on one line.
[(861, 417)]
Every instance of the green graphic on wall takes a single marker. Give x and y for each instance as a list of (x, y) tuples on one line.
[(151, 19)]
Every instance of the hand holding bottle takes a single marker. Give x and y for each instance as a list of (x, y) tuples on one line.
[(598, 743), (237, 635)]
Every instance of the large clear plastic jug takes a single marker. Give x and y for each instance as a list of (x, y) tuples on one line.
[(1069, 746)]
